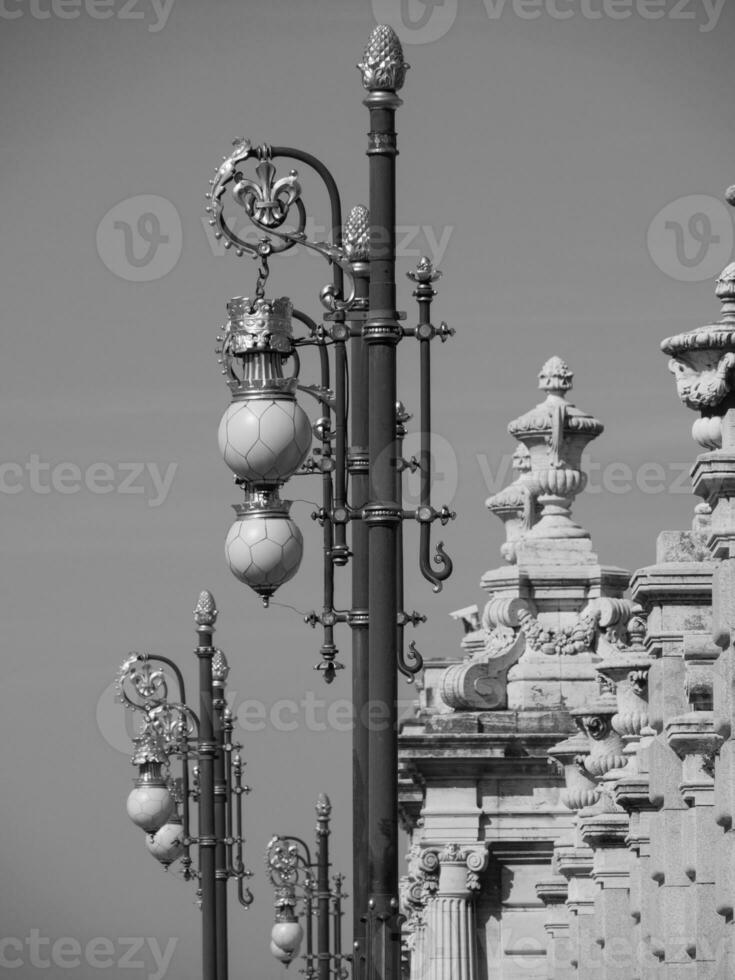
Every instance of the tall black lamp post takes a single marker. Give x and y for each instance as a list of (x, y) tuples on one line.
[(265, 437), (183, 757)]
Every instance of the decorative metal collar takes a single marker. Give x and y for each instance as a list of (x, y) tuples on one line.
[(259, 325)]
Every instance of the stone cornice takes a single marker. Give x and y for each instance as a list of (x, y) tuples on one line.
[(673, 582), (604, 829), (553, 891)]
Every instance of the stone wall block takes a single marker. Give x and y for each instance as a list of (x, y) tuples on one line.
[(723, 694), (724, 773), (723, 602), (665, 772), (701, 836), (725, 879)]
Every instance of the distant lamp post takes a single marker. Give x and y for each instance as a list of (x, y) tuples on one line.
[(210, 774), (291, 870), (265, 440)]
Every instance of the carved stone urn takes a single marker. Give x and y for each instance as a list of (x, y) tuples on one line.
[(555, 433), (702, 362)]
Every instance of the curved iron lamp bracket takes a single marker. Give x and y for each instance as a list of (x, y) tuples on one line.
[(267, 202), (141, 686)]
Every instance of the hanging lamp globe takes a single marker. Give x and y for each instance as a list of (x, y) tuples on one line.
[(264, 545), (264, 435), (167, 843)]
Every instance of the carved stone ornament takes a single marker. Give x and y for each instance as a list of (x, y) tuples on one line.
[(580, 789), (515, 505), (702, 362), (555, 433), (458, 866), (605, 745), (479, 683), (567, 641)]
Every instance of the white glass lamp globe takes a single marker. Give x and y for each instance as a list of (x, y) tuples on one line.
[(167, 844), (285, 940), (149, 807), (264, 551), (264, 440)]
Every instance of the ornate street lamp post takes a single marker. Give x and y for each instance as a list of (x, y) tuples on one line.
[(264, 437), (210, 775), (291, 869)]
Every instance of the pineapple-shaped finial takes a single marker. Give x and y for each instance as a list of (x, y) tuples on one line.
[(220, 668), (356, 235), (382, 66), (205, 611)]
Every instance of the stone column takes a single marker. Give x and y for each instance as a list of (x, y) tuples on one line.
[(703, 362), (451, 931), (554, 892), (676, 592), (604, 826), (574, 861)]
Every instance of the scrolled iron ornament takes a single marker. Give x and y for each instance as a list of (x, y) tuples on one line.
[(282, 862), (411, 663), (266, 201), (147, 681), (175, 723)]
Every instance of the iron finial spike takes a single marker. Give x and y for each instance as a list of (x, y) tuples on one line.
[(205, 611), (356, 235), (220, 668), (323, 805), (382, 66)]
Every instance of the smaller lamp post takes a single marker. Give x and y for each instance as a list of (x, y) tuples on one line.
[(291, 868), (211, 771)]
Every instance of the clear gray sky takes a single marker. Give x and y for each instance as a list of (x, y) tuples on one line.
[(539, 150)]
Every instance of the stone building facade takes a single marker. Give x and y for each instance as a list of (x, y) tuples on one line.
[(568, 780)]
